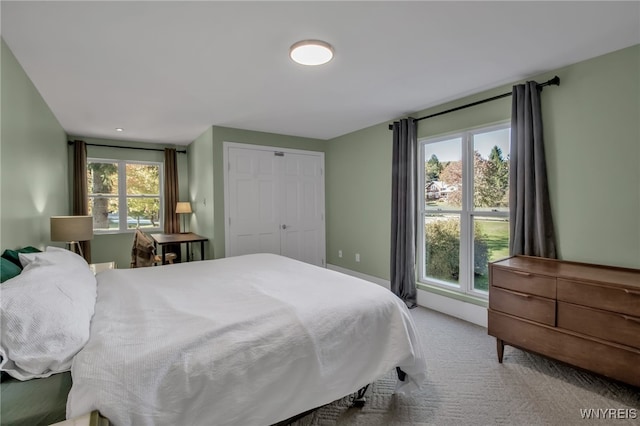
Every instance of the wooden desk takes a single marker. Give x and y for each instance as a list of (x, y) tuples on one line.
[(185, 237)]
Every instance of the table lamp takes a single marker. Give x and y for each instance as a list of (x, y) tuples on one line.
[(72, 230), (183, 207)]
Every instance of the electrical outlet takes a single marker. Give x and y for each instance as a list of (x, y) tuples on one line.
[(339, 253), (357, 257)]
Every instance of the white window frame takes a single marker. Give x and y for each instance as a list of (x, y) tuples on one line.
[(122, 194), (466, 212)]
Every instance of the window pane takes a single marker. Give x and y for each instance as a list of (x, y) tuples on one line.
[(104, 211), (442, 247), (490, 243), (143, 212), (491, 170), (443, 175), (143, 179), (102, 178)]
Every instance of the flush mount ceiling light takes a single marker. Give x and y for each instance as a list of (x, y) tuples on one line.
[(119, 129), (311, 52)]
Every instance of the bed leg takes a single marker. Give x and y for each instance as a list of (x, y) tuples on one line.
[(360, 400), (401, 374)]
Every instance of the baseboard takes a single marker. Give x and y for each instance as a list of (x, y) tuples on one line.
[(384, 283), (465, 311), (456, 308)]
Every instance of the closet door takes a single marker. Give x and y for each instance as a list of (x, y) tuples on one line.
[(275, 203), (253, 202)]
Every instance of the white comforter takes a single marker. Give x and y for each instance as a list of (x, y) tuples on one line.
[(249, 340)]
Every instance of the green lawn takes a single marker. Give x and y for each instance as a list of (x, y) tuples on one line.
[(497, 239)]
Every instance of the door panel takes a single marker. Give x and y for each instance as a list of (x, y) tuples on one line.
[(304, 214), (254, 212)]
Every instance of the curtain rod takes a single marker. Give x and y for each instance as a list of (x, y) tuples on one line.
[(555, 81), (126, 147)]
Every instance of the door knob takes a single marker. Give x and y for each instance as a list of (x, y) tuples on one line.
[(284, 226)]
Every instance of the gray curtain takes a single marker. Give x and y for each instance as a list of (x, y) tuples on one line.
[(80, 189), (403, 211), (530, 218)]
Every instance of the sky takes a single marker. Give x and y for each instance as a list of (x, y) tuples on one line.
[(450, 149)]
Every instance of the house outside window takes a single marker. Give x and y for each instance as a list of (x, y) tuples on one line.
[(124, 195), (463, 208)]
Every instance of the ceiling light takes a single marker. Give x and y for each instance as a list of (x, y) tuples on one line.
[(119, 129), (311, 52)]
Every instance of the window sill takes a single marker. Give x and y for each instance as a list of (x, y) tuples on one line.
[(475, 300), (127, 231)]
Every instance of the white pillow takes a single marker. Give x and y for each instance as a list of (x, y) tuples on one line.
[(45, 314), (53, 255)]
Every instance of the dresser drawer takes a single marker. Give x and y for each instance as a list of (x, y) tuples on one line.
[(524, 282), (616, 299), (614, 327), (534, 308), (590, 353)]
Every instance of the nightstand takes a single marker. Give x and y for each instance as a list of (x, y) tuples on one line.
[(96, 268)]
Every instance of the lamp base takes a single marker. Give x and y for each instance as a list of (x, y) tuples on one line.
[(184, 226), (73, 245)]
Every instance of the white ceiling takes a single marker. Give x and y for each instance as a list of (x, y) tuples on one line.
[(165, 71)]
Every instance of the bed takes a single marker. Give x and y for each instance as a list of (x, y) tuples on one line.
[(247, 340)]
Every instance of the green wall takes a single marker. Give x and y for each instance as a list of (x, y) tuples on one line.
[(33, 156), (117, 247), (592, 125), (358, 200), (206, 152), (592, 139), (201, 189)]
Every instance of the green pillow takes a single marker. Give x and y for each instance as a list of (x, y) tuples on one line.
[(12, 255), (8, 270)]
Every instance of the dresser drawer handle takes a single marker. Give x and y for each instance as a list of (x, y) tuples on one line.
[(634, 319), (526, 296), (524, 274), (635, 293)]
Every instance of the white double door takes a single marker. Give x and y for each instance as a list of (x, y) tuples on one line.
[(274, 202)]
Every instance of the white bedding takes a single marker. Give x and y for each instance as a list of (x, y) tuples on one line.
[(248, 340)]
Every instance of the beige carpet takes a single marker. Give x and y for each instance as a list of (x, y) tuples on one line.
[(467, 386)]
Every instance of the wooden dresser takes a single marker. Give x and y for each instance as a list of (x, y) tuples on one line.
[(584, 315)]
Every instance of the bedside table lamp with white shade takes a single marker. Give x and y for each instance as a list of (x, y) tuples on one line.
[(72, 230), (182, 208)]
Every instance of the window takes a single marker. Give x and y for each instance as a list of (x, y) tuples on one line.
[(464, 207), (124, 195)]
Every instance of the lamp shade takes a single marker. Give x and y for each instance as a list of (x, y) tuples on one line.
[(183, 207), (71, 228)]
